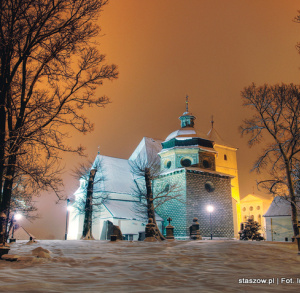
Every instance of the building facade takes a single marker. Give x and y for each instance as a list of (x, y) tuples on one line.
[(196, 171), (278, 220)]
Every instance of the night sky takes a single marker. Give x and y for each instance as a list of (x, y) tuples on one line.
[(167, 49)]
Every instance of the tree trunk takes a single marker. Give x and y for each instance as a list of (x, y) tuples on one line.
[(6, 198), (150, 205), (88, 216), (293, 200), (2, 140)]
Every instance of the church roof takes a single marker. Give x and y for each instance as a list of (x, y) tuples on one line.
[(147, 148), (126, 210), (214, 136), (113, 175), (279, 207), (185, 133)]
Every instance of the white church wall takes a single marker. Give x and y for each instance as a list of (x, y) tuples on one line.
[(74, 227), (279, 228)]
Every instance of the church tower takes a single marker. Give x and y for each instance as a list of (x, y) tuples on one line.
[(188, 161), (226, 162)]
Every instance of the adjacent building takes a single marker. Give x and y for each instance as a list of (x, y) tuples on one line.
[(278, 220)]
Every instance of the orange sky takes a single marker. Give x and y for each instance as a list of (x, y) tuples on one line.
[(166, 49)]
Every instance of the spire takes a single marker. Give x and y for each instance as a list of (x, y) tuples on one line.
[(213, 135), (186, 104)]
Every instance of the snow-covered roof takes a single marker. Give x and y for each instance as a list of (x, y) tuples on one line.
[(113, 175), (186, 132), (126, 210), (147, 148), (279, 207)]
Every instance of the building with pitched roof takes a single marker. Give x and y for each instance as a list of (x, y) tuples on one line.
[(278, 220), (202, 167)]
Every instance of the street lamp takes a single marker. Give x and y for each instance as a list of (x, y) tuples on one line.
[(210, 209), (15, 218), (67, 218)]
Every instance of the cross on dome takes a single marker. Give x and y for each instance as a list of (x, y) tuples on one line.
[(186, 104)]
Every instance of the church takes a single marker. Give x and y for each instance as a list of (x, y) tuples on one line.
[(201, 166)]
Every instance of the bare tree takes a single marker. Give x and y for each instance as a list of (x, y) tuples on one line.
[(276, 116), (146, 169), (50, 67), (92, 196)]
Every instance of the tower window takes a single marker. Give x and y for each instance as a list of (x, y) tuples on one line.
[(209, 186), (225, 157), (168, 164), (186, 162), (206, 164)]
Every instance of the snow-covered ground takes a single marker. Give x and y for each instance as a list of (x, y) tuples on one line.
[(173, 266)]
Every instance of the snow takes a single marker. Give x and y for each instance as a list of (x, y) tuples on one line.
[(117, 176), (169, 266), (184, 132), (125, 210), (147, 149), (279, 207)]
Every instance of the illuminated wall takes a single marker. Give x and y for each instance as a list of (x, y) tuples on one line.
[(226, 162), (255, 206)]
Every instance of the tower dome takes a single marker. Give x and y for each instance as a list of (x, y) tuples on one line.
[(186, 147)]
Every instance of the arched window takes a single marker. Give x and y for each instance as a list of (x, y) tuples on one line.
[(186, 162), (168, 164)]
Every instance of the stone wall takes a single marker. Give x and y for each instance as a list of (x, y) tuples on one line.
[(174, 208), (205, 189)]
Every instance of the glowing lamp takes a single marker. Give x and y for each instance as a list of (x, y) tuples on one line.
[(18, 217), (210, 209)]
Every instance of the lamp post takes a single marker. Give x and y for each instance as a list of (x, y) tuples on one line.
[(210, 209), (15, 218), (67, 218)]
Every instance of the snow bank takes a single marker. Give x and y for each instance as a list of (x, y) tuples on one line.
[(175, 266)]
